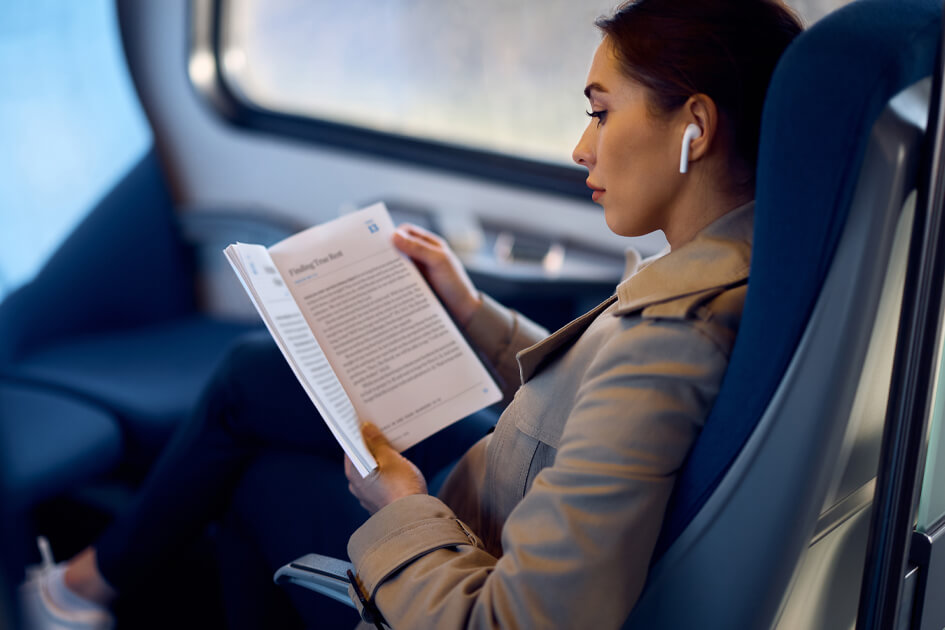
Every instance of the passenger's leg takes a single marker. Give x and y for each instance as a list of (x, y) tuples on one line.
[(249, 599), (287, 505), (254, 402)]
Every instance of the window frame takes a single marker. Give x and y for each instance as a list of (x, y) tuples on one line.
[(226, 100)]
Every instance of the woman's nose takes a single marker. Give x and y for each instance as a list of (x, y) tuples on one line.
[(582, 153)]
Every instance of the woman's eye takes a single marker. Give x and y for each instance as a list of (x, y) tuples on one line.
[(600, 115)]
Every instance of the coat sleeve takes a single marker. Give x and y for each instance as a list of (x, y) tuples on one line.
[(577, 547), (499, 333)]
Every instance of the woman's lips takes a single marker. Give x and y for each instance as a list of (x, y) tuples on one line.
[(597, 191)]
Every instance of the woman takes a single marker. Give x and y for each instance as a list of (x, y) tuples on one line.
[(563, 502)]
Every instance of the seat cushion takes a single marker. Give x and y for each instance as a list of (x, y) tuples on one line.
[(151, 378), (50, 442)]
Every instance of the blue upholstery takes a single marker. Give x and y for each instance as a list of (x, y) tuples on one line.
[(123, 266), (49, 441), (814, 134), (149, 377), (111, 318)]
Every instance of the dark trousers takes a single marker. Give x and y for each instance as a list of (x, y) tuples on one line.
[(258, 458)]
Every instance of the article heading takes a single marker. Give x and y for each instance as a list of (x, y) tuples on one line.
[(316, 262)]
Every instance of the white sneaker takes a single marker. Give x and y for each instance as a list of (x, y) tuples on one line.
[(39, 609)]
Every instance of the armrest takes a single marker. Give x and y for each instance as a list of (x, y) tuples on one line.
[(207, 231), (328, 576), (210, 225)]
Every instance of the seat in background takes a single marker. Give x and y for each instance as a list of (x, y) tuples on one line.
[(112, 317), (107, 350)]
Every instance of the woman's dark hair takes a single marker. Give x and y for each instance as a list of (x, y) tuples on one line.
[(725, 49)]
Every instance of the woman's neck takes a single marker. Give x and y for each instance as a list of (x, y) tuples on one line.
[(697, 207)]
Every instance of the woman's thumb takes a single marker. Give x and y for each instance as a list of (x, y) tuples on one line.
[(413, 246), (373, 437), (404, 241)]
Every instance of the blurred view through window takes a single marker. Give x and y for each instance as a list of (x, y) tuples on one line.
[(486, 74), (489, 74)]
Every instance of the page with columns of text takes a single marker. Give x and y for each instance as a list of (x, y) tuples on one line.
[(275, 304), (400, 358)]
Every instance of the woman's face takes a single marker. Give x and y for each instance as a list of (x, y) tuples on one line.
[(632, 156)]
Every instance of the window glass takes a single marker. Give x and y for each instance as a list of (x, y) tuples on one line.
[(487, 74), (70, 124), (932, 498), (812, 10)]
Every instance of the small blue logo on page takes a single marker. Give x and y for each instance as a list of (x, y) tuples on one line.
[(372, 227)]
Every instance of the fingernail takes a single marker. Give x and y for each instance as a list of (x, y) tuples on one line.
[(370, 430)]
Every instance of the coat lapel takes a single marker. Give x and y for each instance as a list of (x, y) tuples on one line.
[(669, 286), (531, 358)]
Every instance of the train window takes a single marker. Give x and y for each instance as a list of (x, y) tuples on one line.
[(496, 76), (932, 497), (499, 79), (70, 123), (813, 10)]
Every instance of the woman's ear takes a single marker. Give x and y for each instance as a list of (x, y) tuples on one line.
[(700, 110)]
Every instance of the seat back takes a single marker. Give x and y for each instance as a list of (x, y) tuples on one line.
[(124, 265), (88, 205), (830, 191)]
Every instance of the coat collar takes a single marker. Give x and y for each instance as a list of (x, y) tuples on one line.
[(718, 257), (668, 286)]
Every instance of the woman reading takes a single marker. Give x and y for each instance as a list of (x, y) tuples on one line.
[(550, 520)]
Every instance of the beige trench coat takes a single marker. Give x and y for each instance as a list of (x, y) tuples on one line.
[(550, 521)]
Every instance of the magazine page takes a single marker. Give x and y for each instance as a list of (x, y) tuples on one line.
[(398, 355), (292, 334)]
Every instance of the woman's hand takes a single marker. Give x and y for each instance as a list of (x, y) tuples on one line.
[(394, 477), (442, 269)]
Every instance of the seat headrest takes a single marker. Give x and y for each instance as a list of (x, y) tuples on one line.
[(828, 90)]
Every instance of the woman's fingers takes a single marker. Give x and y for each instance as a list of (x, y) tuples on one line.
[(394, 477), (442, 269), (422, 234), (420, 247), (351, 472), (376, 441)]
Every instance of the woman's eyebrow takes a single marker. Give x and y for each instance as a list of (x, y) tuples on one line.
[(593, 87)]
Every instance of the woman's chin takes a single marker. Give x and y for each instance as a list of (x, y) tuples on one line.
[(621, 227), (629, 221)]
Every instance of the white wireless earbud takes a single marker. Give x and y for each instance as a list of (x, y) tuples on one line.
[(692, 132)]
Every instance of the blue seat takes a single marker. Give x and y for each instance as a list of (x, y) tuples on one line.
[(112, 317), (50, 441), (839, 156), (106, 350), (827, 93)]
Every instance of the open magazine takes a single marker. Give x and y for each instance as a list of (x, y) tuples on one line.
[(363, 332)]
